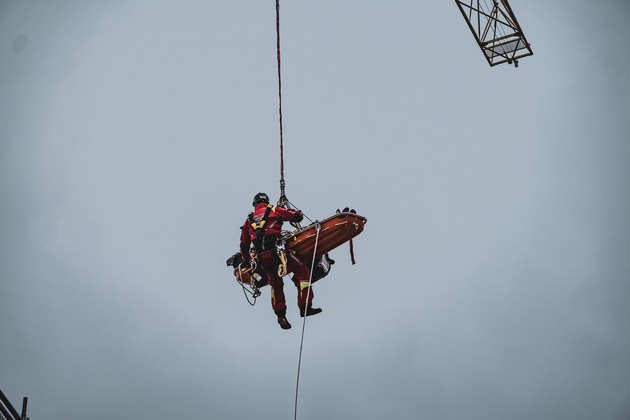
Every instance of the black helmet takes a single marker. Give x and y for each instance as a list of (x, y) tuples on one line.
[(260, 198)]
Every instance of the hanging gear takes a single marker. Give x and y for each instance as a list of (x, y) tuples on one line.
[(267, 243), (251, 288), (281, 252)]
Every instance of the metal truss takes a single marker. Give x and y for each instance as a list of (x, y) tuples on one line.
[(7, 412), (496, 30)]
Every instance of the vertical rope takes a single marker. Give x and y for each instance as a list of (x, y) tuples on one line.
[(282, 183), (308, 294)]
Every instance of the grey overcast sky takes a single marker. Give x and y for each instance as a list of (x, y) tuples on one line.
[(493, 277)]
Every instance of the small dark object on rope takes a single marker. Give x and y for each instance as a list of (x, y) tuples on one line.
[(353, 211)]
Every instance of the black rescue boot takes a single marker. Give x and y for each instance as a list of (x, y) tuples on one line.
[(284, 324), (310, 311)]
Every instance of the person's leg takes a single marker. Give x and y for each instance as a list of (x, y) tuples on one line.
[(301, 275), (278, 300)]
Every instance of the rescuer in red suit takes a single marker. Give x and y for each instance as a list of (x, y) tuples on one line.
[(267, 220)]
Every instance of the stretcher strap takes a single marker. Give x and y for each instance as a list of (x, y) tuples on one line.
[(352, 252)]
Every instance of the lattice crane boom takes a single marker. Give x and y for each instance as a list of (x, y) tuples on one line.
[(496, 30)]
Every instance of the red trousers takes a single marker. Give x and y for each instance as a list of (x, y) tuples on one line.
[(301, 275)]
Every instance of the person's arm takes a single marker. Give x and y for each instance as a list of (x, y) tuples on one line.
[(245, 242), (289, 215)]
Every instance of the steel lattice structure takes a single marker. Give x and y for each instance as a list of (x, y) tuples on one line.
[(496, 30), (7, 412)]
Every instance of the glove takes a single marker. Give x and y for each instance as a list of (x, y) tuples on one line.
[(234, 260)]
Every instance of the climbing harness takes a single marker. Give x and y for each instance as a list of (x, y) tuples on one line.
[(259, 227), (259, 241)]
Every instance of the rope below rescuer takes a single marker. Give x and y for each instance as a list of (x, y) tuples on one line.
[(262, 228)]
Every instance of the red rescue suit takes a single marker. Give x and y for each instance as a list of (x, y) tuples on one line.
[(266, 250)]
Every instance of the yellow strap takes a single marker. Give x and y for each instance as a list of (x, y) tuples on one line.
[(282, 267), (259, 225)]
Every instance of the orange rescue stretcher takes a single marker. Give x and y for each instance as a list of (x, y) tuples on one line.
[(334, 231)]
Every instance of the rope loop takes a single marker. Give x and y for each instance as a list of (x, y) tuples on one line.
[(248, 289)]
